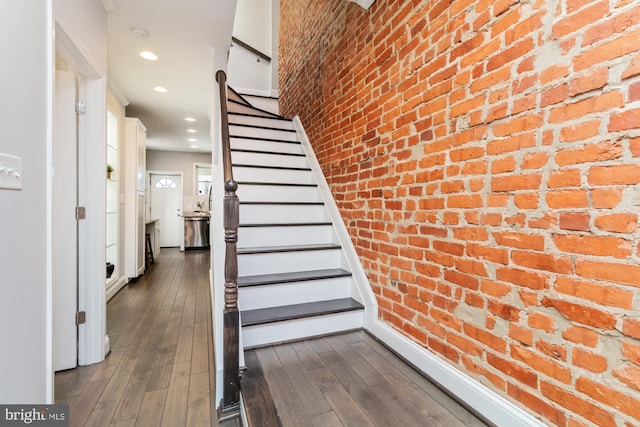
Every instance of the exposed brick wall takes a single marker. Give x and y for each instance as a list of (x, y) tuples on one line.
[(486, 158)]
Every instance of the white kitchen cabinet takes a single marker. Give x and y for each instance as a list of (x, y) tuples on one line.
[(134, 196)]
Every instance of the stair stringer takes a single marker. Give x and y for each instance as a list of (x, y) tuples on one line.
[(360, 280)]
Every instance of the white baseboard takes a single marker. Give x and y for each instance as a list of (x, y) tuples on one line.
[(485, 402), (114, 288), (107, 345)]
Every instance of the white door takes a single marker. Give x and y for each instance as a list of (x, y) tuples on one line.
[(65, 227), (166, 205)]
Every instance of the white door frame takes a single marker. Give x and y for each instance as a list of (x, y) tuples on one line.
[(176, 173), (92, 131)]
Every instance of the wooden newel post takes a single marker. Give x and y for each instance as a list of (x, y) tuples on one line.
[(231, 398)]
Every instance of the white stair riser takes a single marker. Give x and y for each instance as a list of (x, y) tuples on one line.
[(254, 297), (241, 173), (261, 214), (262, 133), (261, 145), (254, 336), (268, 159), (284, 262), (260, 121), (276, 193), (251, 237)]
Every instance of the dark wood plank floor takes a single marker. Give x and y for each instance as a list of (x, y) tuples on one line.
[(160, 370), (352, 380)]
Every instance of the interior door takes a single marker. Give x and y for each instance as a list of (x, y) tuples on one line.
[(65, 227), (166, 205)]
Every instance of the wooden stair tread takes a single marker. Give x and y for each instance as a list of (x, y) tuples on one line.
[(288, 224), (296, 276), (298, 311), (283, 203), (270, 167), (257, 138), (293, 248), (235, 113), (242, 150), (260, 127), (276, 184)]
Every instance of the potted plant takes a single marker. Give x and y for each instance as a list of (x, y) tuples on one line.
[(109, 170)]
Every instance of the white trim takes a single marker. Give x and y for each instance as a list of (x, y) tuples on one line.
[(147, 209), (484, 401), (275, 93), (365, 4), (117, 93), (114, 287), (51, 52), (361, 281), (254, 92), (91, 237)]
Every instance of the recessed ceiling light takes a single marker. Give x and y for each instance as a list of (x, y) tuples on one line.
[(192, 139), (149, 55), (190, 119), (160, 89), (193, 146), (192, 130)]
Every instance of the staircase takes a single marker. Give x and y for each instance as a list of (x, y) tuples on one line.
[(293, 276)]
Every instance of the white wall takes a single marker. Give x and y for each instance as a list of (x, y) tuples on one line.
[(25, 277), (177, 161), (253, 25)]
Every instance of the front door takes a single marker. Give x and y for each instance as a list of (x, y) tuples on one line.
[(65, 226), (166, 205)]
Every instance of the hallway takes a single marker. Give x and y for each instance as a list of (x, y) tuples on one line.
[(160, 370)]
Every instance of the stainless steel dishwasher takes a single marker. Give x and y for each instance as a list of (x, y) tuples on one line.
[(196, 232)]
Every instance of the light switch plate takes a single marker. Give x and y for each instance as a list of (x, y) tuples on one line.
[(10, 172)]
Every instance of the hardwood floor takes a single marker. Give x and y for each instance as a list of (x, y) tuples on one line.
[(160, 370), (351, 380)]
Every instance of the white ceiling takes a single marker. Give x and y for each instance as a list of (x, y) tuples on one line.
[(182, 34)]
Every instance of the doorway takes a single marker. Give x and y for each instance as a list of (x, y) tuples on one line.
[(166, 205), (65, 230)]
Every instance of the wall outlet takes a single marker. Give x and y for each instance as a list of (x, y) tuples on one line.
[(10, 172)]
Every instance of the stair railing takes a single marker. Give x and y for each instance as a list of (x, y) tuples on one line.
[(230, 404)]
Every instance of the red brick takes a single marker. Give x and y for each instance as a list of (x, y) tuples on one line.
[(631, 327), (522, 278), (626, 120), (630, 375), (541, 321), (573, 402), (543, 262), (522, 375), (600, 294), (617, 223), (588, 153), (541, 364), (626, 274), (580, 132), (567, 199), (581, 335), (589, 361), (626, 43), (593, 245), (606, 198), (582, 314), (575, 22), (540, 406), (609, 396), (564, 178), (574, 221), (487, 338), (631, 352), (519, 240), (499, 256), (586, 107)]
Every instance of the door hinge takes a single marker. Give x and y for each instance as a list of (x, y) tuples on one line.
[(81, 108), (80, 212), (81, 318)]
